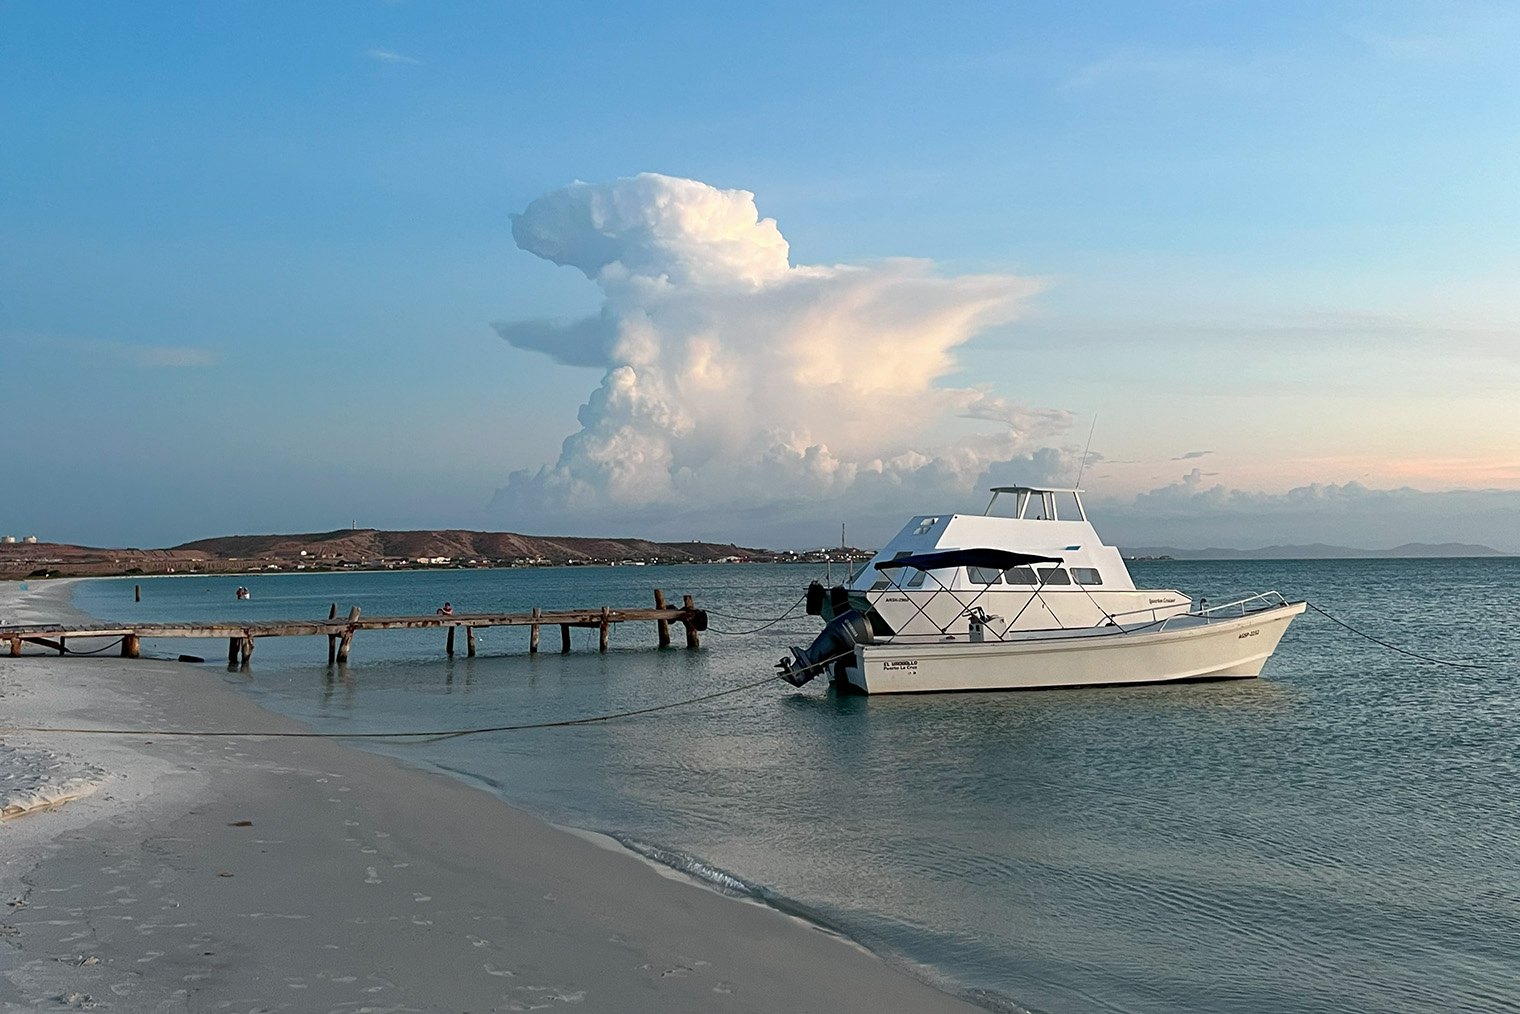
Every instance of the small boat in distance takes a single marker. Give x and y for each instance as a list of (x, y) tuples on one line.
[(1023, 601)]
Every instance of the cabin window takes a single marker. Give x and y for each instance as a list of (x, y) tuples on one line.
[(1054, 575), (917, 580), (881, 583), (925, 525), (1020, 575), (984, 575), (1086, 575)]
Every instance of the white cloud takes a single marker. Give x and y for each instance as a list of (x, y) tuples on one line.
[(89, 352), (734, 379), (388, 56)]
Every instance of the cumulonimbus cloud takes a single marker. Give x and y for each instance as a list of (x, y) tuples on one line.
[(731, 376)]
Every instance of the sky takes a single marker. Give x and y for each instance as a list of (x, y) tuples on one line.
[(685, 271)]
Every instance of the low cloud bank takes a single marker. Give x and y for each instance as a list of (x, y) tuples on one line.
[(737, 385), (1193, 514)]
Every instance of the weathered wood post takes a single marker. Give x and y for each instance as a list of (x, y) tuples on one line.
[(15, 647), (450, 646), (533, 632), (131, 646), (663, 625), (347, 640), (564, 638), (602, 638), (233, 646), (137, 593), (62, 648), (469, 640), (692, 641), (332, 639), (247, 649)]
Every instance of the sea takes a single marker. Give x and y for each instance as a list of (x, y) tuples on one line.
[(1342, 834)]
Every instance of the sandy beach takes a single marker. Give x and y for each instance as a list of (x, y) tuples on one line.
[(297, 874)]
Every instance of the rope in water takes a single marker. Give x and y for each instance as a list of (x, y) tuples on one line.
[(1394, 647), (430, 734)]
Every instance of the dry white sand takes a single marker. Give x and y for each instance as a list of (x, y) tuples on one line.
[(301, 875)]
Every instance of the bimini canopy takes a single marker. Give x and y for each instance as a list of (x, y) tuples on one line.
[(994, 559)]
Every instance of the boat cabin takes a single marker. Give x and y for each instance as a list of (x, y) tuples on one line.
[(1038, 521)]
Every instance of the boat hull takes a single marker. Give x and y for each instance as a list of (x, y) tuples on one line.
[(1233, 648)]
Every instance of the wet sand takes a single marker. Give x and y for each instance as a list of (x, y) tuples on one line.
[(301, 875)]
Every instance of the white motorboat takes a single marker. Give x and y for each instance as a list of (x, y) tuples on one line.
[(1028, 600)]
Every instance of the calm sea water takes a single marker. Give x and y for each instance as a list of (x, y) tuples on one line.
[(1340, 835)]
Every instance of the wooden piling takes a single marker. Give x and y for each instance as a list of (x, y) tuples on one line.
[(233, 644), (15, 647), (692, 641), (450, 646), (346, 641), (332, 639), (136, 594), (131, 646), (662, 625), (247, 647), (533, 632), (469, 639), (62, 649), (564, 638), (606, 626)]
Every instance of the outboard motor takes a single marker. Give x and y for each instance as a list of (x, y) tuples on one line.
[(835, 643)]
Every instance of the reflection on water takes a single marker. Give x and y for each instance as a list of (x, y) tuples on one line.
[(1341, 835)]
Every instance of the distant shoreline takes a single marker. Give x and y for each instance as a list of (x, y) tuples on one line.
[(369, 549)]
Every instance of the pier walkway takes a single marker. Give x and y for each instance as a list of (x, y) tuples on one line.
[(241, 634)]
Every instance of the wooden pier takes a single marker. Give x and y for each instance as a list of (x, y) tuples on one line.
[(340, 631)]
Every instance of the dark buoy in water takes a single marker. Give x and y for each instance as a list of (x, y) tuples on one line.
[(191, 658)]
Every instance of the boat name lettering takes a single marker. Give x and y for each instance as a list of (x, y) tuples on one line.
[(900, 665), (1162, 602), (1249, 633)]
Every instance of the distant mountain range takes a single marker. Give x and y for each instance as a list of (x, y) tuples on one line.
[(368, 549), (1315, 551)]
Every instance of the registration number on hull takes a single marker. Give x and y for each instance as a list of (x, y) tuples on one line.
[(900, 665)]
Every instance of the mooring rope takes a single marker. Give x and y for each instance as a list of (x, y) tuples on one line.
[(763, 626), (71, 651), (1394, 647), (434, 734)]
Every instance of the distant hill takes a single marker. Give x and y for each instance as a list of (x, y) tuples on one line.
[(1316, 551), (458, 545), (367, 548)]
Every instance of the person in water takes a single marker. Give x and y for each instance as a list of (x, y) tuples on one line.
[(447, 610)]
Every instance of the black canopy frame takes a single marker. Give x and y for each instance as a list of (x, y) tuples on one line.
[(993, 559)]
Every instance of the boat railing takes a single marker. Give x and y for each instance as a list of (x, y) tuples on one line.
[(1122, 617), (1257, 603)]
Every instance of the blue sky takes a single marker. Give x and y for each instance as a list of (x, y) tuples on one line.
[(251, 255)]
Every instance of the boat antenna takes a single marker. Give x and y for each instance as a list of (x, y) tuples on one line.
[(1083, 466)]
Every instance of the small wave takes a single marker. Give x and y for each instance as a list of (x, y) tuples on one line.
[(720, 880)]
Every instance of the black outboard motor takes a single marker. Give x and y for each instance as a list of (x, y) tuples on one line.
[(835, 643)]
